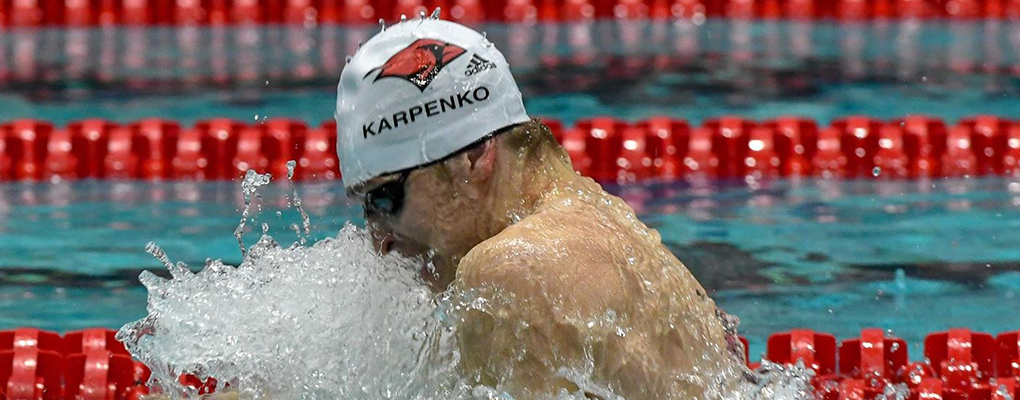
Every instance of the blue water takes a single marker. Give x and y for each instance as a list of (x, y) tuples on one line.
[(630, 70), (912, 257)]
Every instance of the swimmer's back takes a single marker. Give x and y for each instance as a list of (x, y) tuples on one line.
[(542, 255), (566, 273)]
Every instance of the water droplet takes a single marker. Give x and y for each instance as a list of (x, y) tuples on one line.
[(306, 222), (291, 165), (348, 59), (435, 13), (403, 18), (1003, 392), (156, 251), (610, 316), (382, 25), (421, 14), (877, 171), (252, 181)]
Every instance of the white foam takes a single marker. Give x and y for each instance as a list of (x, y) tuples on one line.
[(338, 321), (329, 321)]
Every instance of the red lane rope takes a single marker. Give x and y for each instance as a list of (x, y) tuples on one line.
[(958, 364), (604, 148), (304, 12)]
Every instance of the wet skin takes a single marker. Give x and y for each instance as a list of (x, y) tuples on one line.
[(571, 278)]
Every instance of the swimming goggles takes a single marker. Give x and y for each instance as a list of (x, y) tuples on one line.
[(387, 199)]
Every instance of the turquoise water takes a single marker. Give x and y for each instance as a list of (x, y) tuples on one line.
[(630, 70), (831, 256), (913, 257)]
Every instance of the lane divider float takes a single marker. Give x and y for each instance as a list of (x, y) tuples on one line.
[(73, 13), (604, 148), (959, 364)]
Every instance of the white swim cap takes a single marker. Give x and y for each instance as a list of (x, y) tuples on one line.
[(417, 92)]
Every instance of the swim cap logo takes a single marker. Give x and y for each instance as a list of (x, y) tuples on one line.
[(419, 62)]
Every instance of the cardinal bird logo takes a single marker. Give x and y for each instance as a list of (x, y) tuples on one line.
[(419, 62)]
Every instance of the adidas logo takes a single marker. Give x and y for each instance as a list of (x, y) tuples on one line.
[(478, 64)]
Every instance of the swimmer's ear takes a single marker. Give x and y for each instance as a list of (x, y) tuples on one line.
[(482, 159), (473, 168)]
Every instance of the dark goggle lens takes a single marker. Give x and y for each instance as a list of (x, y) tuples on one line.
[(383, 205), (387, 199)]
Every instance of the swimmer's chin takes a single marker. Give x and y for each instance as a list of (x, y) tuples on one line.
[(436, 277), (432, 271)]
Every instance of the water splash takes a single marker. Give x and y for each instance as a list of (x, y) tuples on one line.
[(329, 321), (778, 381), (177, 270), (306, 222), (336, 320), (252, 181)]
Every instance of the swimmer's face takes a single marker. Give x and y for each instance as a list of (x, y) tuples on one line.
[(437, 211)]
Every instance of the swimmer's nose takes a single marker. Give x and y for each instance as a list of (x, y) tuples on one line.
[(382, 238), (386, 243)]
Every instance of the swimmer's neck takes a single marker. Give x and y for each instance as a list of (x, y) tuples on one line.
[(517, 190), (521, 189)]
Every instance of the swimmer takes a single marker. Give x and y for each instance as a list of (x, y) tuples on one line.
[(435, 142)]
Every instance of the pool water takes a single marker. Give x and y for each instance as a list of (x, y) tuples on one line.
[(627, 69), (836, 256)]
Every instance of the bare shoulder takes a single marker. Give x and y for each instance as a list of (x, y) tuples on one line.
[(548, 254)]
